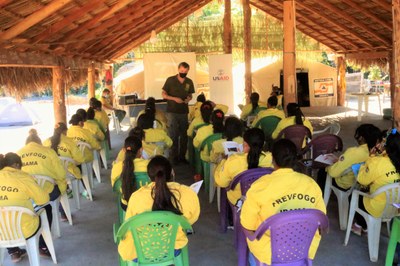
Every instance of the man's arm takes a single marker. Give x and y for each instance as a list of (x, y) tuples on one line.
[(171, 98), (188, 98)]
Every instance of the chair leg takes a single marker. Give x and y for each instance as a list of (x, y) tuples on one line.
[(242, 250), (2, 252), (343, 204), (212, 183), (185, 256), (86, 179), (47, 236), (327, 190), (67, 209), (103, 158), (393, 240), (374, 234), (56, 217), (353, 206), (96, 166), (219, 199), (75, 193), (32, 248)]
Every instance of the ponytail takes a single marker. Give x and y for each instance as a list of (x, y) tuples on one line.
[(217, 120), (206, 110), (393, 148), (56, 138), (137, 132), (159, 170), (294, 110), (254, 98), (33, 137), (254, 137), (9, 159), (132, 146)]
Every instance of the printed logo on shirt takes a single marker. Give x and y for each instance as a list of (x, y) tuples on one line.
[(62, 148), (293, 196), (29, 163), (291, 209), (35, 154), (391, 173), (79, 139), (7, 189)]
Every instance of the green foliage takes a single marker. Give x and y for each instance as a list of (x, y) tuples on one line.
[(374, 73)]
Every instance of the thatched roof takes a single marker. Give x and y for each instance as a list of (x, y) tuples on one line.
[(101, 30)]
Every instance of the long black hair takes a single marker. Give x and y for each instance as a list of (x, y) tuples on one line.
[(293, 109), (254, 98), (59, 129), (217, 120), (255, 138), (9, 159), (145, 121), (150, 108), (33, 137), (370, 133), (206, 110), (233, 128), (284, 153), (90, 114), (132, 145), (82, 113), (393, 149), (160, 172)]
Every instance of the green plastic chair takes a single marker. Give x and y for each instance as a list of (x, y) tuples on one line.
[(393, 240), (268, 124), (154, 235), (206, 166), (196, 160)]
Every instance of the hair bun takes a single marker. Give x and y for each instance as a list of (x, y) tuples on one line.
[(33, 132)]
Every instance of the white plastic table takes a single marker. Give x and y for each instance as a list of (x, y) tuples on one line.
[(364, 97)]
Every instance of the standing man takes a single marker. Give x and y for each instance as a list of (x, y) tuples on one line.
[(178, 91)]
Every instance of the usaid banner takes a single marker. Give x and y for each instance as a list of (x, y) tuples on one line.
[(221, 83)]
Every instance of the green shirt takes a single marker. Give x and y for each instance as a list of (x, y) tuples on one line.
[(173, 87)]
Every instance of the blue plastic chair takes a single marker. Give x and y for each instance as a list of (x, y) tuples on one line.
[(291, 235)]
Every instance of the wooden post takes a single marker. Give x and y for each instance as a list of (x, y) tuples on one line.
[(396, 63), (341, 80), (60, 111), (91, 81), (227, 28), (247, 49), (289, 52)]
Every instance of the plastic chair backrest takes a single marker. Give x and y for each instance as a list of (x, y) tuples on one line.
[(83, 145), (42, 179), (392, 192), (291, 234), (198, 127), (209, 141), (333, 128), (141, 179), (154, 234), (323, 144), (297, 134), (247, 178), (10, 226), (268, 124)]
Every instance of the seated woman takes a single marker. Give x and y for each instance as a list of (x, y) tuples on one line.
[(253, 156), (294, 117), (206, 110), (367, 136), (79, 134), (160, 195), (194, 111), (23, 191), (282, 190), (100, 116), (270, 111), (216, 126), (126, 169), (92, 125), (276, 91), (159, 115), (156, 139), (40, 160), (137, 133), (233, 131), (381, 168), (253, 107), (66, 147)]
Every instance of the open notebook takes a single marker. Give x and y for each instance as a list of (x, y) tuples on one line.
[(196, 186), (231, 147)]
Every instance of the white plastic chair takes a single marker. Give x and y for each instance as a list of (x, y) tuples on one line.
[(392, 192), (87, 170), (342, 198), (55, 204), (96, 165), (333, 128), (212, 184), (116, 123), (103, 158), (12, 236), (72, 180)]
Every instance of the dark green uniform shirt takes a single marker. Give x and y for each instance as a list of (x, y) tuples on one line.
[(173, 87)]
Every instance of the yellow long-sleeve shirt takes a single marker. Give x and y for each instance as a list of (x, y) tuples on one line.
[(67, 148), (196, 121), (94, 128), (351, 156), (201, 135), (20, 189), (246, 110), (40, 160), (217, 150), (377, 172), (280, 191), (142, 201), (79, 134), (154, 138), (196, 113), (269, 112), (161, 119), (290, 121), (139, 164), (228, 169), (102, 118)]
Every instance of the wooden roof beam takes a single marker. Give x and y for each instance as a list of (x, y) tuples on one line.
[(336, 23), (367, 55), (368, 14), (160, 26), (279, 15), (90, 23), (338, 12), (383, 4), (73, 15), (4, 2), (128, 30), (32, 19)]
